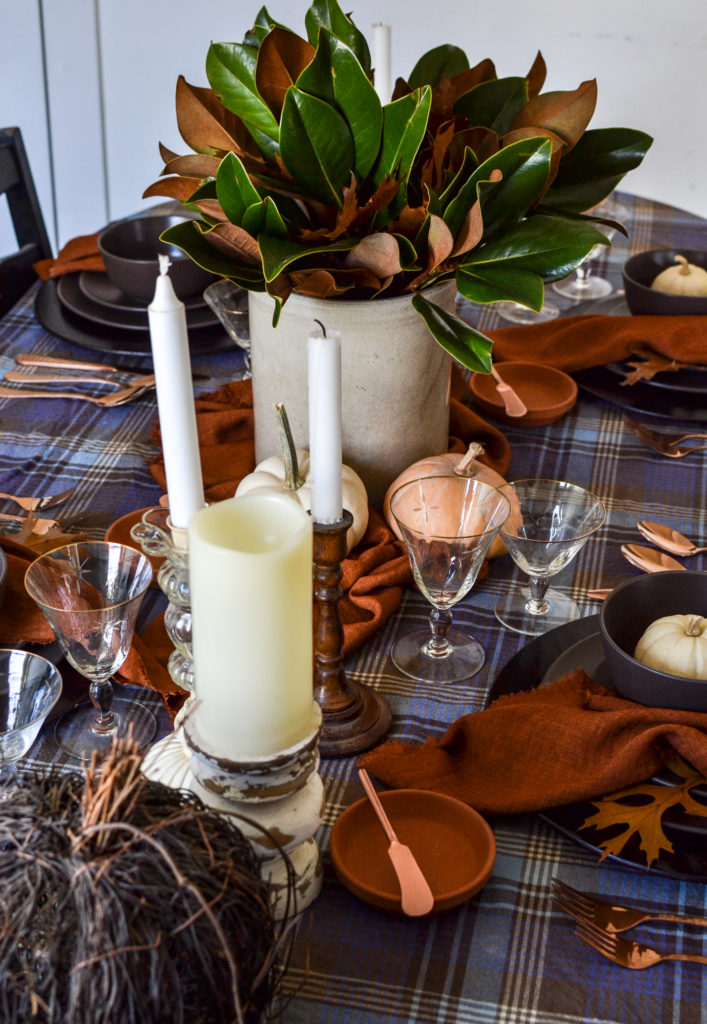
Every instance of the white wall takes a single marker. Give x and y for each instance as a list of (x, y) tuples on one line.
[(650, 59)]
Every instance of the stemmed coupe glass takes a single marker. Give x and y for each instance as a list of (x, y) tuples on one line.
[(550, 521), (91, 593), (583, 284), (447, 524)]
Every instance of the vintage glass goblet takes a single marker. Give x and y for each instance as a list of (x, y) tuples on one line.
[(91, 593), (583, 284), (550, 521), (230, 304), (447, 524), (517, 313)]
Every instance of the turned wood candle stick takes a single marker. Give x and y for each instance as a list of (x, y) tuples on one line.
[(355, 717)]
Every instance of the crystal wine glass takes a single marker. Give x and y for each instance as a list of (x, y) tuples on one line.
[(91, 593), (550, 521), (230, 304), (447, 524), (30, 686), (583, 284), (517, 313)]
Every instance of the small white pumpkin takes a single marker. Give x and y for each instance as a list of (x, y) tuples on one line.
[(683, 279), (676, 644), (290, 473)]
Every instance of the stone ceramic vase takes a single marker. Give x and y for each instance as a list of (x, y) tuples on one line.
[(395, 380)]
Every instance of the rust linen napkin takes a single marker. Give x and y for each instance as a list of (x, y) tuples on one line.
[(579, 342), (377, 570), (80, 253), (566, 742)]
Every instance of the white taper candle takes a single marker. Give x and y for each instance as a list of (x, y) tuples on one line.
[(381, 62), (325, 468), (175, 400)]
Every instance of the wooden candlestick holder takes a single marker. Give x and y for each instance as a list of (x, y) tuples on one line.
[(355, 717)]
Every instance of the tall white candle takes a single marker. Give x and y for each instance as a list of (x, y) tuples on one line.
[(381, 62), (175, 400), (250, 575), (325, 468)]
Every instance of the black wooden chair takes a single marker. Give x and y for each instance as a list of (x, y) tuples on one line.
[(16, 183)]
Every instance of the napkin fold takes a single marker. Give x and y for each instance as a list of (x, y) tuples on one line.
[(569, 741), (80, 253), (574, 343)]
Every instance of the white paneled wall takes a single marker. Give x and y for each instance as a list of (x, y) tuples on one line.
[(111, 68)]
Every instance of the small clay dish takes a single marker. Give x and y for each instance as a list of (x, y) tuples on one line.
[(119, 533), (625, 615), (548, 393), (641, 270), (451, 842)]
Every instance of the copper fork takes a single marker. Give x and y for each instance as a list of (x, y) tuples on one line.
[(38, 504), (627, 953), (609, 916), (666, 444), (126, 394)]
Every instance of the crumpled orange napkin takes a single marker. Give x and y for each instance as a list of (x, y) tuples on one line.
[(80, 253), (569, 741)]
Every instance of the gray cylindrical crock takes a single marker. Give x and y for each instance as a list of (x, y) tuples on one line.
[(395, 380)]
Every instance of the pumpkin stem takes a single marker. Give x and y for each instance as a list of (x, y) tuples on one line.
[(293, 478), (684, 265), (695, 626), (465, 467)]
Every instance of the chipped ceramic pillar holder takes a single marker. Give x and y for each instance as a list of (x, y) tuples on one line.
[(159, 539), (247, 744)]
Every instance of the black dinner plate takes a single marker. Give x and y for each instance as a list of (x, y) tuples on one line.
[(99, 288), (685, 379), (575, 645), (73, 298), (98, 338)]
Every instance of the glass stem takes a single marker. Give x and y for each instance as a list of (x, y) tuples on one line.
[(537, 605), (101, 696), (438, 646)]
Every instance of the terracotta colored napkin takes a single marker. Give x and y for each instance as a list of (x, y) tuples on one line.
[(80, 253), (377, 570), (578, 342), (570, 741)]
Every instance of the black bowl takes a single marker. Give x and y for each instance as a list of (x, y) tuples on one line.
[(130, 250), (626, 614), (641, 270)]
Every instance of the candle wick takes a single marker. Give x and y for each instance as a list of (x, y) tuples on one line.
[(165, 263), (322, 327)]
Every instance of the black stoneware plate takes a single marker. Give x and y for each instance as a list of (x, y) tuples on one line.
[(687, 380), (574, 645), (99, 288), (53, 317), (72, 298)]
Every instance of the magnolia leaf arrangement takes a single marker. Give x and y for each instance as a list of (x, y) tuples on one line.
[(303, 181)]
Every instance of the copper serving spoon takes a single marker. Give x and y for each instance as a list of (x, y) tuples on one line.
[(511, 399), (415, 894), (648, 559), (668, 538)]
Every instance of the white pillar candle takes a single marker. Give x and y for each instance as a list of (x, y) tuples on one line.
[(381, 62), (175, 400), (325, 466), (250, 577)]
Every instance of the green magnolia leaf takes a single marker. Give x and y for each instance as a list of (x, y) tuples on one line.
[(328, 14), (490, 283), (465, 344), (493, 104), (404, 126), (316, 146), (524, 167), (280, 253), (264, 218), (234, 189), (230, 68), (191, 240), (551, 247), (433, 66), (335, 76), (595, 166), (262, 25)]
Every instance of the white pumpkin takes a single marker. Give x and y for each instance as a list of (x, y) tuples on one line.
[(289, 473), (676, 644), (683, 279)]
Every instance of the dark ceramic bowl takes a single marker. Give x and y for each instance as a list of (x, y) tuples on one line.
[(130, 250), (640, 271), (625, 615)]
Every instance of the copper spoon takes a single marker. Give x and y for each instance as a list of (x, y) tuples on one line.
[(511, 400), (668, 539), (415, 894), (648, 559)]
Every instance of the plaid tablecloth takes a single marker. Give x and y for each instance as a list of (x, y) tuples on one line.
[(509, 955)]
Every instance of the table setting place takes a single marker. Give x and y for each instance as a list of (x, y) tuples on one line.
[(353, 603)]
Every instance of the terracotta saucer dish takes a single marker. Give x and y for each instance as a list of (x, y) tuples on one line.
[(119, 533), (452, 843), (548, 393)]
